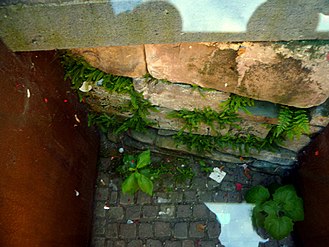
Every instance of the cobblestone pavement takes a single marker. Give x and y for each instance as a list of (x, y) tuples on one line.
[(175, 216)]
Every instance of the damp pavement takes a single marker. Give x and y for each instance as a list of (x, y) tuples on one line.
[(175, 215)]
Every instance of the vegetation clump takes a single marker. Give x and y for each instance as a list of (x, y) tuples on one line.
[(275, 212), (292, 122)]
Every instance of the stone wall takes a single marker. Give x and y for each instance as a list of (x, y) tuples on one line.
[(198, 76), (294, 74), (168, 97)]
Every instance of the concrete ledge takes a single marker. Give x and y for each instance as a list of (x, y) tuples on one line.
[(62, 24)]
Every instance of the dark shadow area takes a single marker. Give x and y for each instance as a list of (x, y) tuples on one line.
[(313, 183)]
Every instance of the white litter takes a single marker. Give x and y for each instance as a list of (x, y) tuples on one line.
[(217, 175), (28, 93), (76, 193)]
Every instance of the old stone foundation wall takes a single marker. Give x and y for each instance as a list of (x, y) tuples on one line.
[(193, 80)]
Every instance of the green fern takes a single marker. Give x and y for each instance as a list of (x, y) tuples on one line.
[(78, 70)]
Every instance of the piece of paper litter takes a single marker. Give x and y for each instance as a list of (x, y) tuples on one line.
[(217, 175)]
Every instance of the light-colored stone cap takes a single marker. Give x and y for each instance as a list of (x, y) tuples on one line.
[(28, 25)]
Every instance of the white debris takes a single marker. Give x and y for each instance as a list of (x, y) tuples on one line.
[(106, 207), (28, 93), (86, 87), (130, 222), (121, 150), (76, 193), (217, 175), (162, 200)]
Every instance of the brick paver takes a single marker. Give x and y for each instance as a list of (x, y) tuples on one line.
[(175, 216)]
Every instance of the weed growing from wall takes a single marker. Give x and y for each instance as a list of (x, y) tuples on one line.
[(292, 124), (80, 71)]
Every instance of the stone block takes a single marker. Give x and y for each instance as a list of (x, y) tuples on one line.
[(256, 70), (197, 229), (296, 144), (126, 199), (127, 231), (162, 229), (170, 243), (183, 211), (188, 243), (115, 214), (117, 60), (135, 243), (200, 211), (167, 211), (133, 212), (150, 211), (99, 226), (112, 231), (180, 230), (119, 243), (98, 242), (179, 96), (213, 229), (153, 243), (145, 230)]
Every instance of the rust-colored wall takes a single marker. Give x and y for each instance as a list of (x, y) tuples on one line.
[(45, 155), (313, 182)]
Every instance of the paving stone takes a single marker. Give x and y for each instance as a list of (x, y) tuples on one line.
[(98, 242), (119, 243), (126, 199), (212, 185), (188, 243), (153, 243), (234, 197), (102, 194), (220, 196), (162, 229), (99, 210), (213, 228), (115, 214), (176, 197), (180, 230), (143, 198), (162, 197), (170, 243), (167, 211), (109, 243), (135, 243), (211, 243), (198, 183), (112, 231), (133, 212), (195, 230), (99, 226), (113, 199), (145, 230), (150, 212), (227, 186), (127, 231), (190, 196), (200, 211), (183, 211), (205, 196)]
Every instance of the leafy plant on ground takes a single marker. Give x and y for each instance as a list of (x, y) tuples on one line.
[(276, 212), (138, 174)]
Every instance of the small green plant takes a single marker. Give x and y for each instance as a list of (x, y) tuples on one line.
[(138, 173), (276, 212), (78, 70), (204, 167)]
